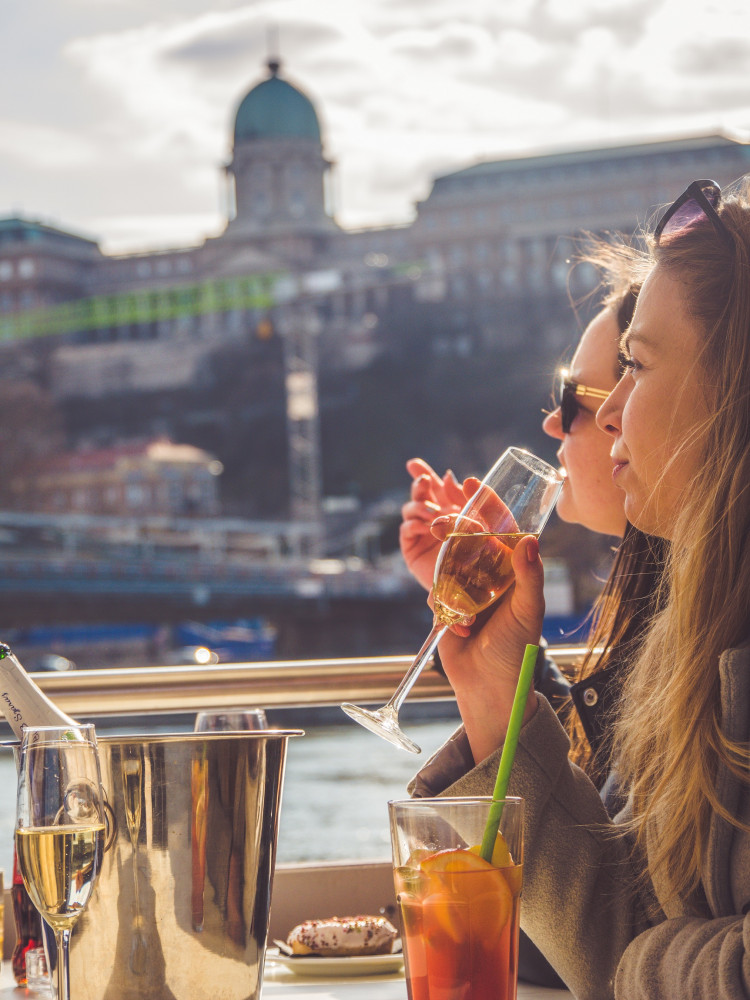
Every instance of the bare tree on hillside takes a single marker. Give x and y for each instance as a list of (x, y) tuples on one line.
[(30, 429)]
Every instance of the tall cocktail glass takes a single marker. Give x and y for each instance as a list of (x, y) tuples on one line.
[(459, 914)]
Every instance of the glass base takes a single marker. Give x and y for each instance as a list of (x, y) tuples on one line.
[(383, 724)]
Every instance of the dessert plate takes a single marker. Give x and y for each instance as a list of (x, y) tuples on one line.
[(320, 967)]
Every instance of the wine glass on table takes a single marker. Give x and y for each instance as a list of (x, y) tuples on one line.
[(60, 830), (473, 568)]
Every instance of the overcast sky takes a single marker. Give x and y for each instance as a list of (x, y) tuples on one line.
[(116, 115)]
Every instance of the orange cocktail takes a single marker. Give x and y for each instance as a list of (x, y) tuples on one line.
[(459, 913)]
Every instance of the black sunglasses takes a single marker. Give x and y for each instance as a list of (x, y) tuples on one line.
[(568, 396), (700, 200)]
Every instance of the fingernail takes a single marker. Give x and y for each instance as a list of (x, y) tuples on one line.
[(532, 550)]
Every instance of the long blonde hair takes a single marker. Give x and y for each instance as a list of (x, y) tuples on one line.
[(669, 742)]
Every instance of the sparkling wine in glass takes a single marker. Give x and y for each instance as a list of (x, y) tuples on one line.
[(60, 830), (473, 568)]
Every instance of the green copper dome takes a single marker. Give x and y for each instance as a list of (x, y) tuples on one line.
[(275, 108)]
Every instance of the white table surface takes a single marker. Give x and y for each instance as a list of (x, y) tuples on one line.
[(279, 984)]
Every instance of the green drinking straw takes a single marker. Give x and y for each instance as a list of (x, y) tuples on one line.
[(509, 750)]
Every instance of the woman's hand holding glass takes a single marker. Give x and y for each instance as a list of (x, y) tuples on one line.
[(484, 670), (474, 566), (482, 661), (431, 496)]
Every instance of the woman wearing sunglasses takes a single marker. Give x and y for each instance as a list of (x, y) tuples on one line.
[(589, 497), (657, 902)]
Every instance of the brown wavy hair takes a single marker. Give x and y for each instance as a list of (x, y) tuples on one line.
[(624, 608), (619, 620)]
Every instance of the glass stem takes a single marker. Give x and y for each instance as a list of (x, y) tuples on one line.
[(62, 937), (411, 675)]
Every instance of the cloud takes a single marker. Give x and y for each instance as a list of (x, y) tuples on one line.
[(221, 41), (454, 43), (45, 147), (210, 53), (404, 89), (188, 76), (708, 57)]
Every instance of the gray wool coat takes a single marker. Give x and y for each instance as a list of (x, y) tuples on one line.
[(608, 933)]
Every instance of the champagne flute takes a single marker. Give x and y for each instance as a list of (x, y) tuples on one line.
[(473, 568), (60, 829)]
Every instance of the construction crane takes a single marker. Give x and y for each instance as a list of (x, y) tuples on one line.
[(299, 326)]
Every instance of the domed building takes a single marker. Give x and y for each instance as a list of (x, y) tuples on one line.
[(278, 173), (485, 259)]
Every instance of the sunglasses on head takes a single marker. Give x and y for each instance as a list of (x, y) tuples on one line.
[(568, 396), (699, 201)]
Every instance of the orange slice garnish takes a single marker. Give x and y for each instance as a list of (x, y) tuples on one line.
[(467, 894), (454, 861)]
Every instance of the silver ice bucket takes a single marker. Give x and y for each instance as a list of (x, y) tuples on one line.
[(180, 911)]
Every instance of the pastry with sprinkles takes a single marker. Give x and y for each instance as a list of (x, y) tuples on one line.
[(342, 936)]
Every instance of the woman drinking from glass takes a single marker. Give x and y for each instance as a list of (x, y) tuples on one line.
[(654, 903)]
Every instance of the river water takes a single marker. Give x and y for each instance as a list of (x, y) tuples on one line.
[(338, 781)]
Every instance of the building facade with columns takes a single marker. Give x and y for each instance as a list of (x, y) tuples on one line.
[(493, 233), (484, 266)]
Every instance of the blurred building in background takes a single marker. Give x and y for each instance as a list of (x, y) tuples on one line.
[(142, 478), (267, 324), (492, 232)]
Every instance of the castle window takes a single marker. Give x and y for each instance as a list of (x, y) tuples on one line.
[(482, 251), (297, 200), (261, 182)]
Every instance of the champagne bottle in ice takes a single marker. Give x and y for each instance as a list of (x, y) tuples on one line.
[(22, 701)]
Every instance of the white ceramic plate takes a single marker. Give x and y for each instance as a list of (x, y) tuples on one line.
[(356, 965)]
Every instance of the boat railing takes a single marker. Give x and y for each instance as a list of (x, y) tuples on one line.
[(299, 888), (119, 691)]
